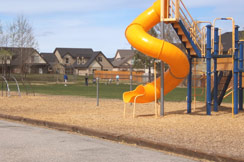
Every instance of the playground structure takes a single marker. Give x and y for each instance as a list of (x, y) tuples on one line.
[(6, 86), (202, 43)]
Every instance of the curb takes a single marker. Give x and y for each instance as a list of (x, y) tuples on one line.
[(126, 139)]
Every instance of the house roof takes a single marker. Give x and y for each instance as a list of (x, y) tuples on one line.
[(100, 52), (16, 54), (125, 53), (87, 64), (125, 56), (50, 58), (226, 40), (75, 52), (111, 59)]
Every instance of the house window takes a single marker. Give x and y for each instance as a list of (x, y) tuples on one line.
[(82, 60), (78, 60), (100, 59), (67, 60)]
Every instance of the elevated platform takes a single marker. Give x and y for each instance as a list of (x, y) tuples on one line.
[(224, 64)]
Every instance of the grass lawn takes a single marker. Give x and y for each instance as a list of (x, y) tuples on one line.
[(112, 91), (105, 91)]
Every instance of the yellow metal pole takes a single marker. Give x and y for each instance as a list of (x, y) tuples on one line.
[(233, 86), (134, 109), (233, 31), (195, 71), (220, 42), (124, 109), (162, 10), (177, 10)]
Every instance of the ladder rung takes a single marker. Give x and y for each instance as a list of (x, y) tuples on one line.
[(188, 45), (184, 38)]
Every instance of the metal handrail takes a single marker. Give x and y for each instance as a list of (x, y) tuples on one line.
[(183, 16), (233, 32), (190, 17)]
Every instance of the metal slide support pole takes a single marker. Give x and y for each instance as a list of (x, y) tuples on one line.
[(208, 57), (162, 90), (216, 51), (240, 77), (189, 86), (235, 87)]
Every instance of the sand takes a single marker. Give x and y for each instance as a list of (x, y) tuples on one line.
[(218, 133)]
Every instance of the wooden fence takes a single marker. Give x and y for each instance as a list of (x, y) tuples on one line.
[(123, 75)]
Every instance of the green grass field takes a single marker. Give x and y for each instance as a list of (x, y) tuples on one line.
[(111, 91)]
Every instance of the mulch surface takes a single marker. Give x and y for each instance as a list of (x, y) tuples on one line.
[(218, 134)]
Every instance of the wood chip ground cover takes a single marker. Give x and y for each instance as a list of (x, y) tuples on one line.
[(219, 133)]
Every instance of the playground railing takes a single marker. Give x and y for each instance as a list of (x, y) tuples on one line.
[(178, 11)]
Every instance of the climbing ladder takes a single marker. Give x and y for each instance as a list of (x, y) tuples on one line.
[(224, 79)]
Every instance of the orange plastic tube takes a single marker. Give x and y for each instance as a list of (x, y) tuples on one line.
[(136, 34)]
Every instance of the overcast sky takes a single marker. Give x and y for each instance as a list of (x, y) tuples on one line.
[(100, 24)]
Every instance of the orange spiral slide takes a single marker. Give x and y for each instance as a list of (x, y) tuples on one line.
[(136, 34)]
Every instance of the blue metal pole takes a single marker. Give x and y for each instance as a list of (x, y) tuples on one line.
[(216, 51), (240, 77), (189, 87), (208, 57), (235, 87)]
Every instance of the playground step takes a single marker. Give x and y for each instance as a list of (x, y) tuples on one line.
[(188, 45), (183, 37)]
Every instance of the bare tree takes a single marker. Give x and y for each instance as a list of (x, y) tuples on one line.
[(169, 33), (5, 55), (20, 34)]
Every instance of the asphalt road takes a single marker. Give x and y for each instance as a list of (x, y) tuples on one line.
[(24, 143)]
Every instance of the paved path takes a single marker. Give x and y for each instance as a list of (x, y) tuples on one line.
[(24, 143)]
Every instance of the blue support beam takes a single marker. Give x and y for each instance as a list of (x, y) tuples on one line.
[(236, 70), (187, 34), (240, 77), (189, 87), (216, 51), (208, 57)]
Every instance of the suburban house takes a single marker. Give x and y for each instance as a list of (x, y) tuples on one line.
[(226, 40), (53, 65), (123, 60), (82, 61), (27, 59)]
